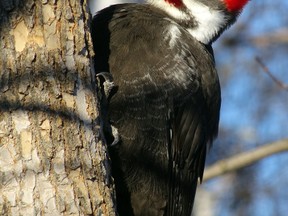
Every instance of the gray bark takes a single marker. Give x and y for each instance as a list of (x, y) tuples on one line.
[(52, 161)]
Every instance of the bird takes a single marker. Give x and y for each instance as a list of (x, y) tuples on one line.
[(163, 100)]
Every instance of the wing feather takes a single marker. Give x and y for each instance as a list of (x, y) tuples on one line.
[(166, 108)]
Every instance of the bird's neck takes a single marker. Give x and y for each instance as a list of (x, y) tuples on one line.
[(202, 22)]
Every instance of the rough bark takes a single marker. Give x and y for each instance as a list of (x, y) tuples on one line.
[(52, 161)]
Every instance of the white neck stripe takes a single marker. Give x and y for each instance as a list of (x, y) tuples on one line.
[(209, 22)]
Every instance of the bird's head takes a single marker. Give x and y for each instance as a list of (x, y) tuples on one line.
[(234, 6), (204, 19)]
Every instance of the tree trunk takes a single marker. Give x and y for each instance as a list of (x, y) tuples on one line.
[(52, 161)]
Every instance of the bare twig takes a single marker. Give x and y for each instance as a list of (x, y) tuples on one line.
[(267, 71), (276, 37), (245, 159)]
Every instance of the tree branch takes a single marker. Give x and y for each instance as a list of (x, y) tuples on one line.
[(276, 37), (267, 71), (244, 159)]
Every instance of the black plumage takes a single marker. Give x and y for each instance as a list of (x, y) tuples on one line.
[(166, 107)]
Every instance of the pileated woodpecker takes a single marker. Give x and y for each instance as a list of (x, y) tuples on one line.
[(167, 99)]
